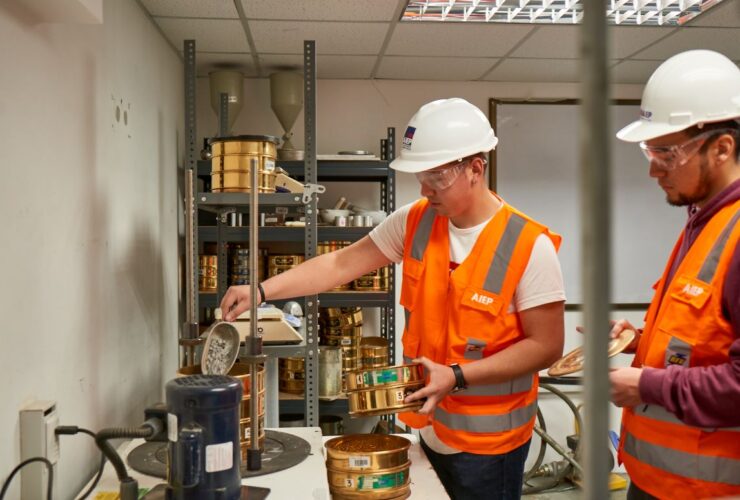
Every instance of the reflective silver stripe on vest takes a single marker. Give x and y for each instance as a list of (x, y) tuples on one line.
[(422, 234), (486, 423), (709, 267), (474, 348), (701, 467), (678, 353), (406, 317), (656, 412), (504, 252), (407, 360), (520, 384)]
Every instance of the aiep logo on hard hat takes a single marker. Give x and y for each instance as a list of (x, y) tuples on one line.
[(646, 115), (408, 137)]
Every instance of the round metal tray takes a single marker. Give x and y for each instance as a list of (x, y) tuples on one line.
[(281, 452), (573, 361)]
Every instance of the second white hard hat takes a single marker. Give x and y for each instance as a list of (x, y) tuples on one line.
[(443, 131), (697, 86)]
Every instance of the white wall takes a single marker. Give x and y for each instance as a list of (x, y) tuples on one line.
[(354, 114), (89, 293)]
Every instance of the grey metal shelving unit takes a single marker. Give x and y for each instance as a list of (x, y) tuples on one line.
[(309, 171)]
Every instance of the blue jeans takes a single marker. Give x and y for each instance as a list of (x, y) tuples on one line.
[(468, 476)]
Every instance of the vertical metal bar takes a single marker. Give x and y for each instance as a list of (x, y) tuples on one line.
[(310, 176), (190, 328), (221, 256), (254, 457), (595, 243), (223, 115), (390, 206), (492, 157)]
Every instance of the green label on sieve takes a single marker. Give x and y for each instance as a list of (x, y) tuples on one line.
[(381, 377), (380, 482)]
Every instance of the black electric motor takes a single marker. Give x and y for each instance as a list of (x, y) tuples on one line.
[(203, 431)]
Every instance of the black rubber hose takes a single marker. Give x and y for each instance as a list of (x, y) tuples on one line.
[(102, 437), (568, 401)]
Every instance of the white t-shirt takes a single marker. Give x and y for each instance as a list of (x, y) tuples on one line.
[(541, 283)]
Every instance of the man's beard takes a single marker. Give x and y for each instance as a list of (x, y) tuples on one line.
[(702, 190)]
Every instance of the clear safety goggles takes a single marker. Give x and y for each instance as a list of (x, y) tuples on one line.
[(440, 179), (677, 155)]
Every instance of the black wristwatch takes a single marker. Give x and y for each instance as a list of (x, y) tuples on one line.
[(460, 383)]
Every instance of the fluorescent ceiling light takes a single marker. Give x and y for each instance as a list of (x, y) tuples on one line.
[(621, 12)]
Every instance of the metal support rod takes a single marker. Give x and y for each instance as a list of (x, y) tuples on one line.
[(595, 244), (223, 115), (254, 346)]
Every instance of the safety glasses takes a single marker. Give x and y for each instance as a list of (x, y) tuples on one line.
[(440, 179), (677, 155)]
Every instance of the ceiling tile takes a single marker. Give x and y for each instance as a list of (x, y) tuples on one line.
[(434, 68), (726, 14), (286, 37), (326, 10), (454, 39), (212, 35), (535, 70), (327, 67), (724, 40), (631, 71), (562, 42), (550, 42), (626, 40), (211, 61), (191, 8)]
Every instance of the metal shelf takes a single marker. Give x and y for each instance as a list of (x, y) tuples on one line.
[(215, 201), (298, 406), (328, 170), (328, 299), (281, 233), (358, 299)]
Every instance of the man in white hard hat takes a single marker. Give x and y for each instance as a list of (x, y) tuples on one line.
[(483, 300), (680, 437)]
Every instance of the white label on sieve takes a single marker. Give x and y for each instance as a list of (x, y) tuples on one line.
[(346, 341), (247, 432), (269, 165), (399, 396), (358, 377), (172, 427), (359, 462), (349, 483), (219, 457)]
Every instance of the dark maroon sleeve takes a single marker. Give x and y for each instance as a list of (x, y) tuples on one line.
[(703, 396)]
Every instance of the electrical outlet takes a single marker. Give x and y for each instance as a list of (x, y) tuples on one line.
[(38, 420)]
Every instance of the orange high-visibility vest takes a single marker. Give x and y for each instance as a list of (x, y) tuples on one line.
[(685, 327), (462, 316)]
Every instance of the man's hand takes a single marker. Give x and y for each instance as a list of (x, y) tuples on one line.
[(235, 302), (441, 382), (625, 386), (617, 327)]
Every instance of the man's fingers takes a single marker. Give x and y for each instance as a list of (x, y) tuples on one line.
[(428, 407), (580, 329), (420, 394)]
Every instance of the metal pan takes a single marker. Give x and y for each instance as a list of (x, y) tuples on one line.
[(573, 361), (382, 400), (373, 452), (381, 484), (400, 374)]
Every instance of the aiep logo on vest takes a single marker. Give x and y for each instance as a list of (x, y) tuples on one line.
[(482, 299), (692, 290)]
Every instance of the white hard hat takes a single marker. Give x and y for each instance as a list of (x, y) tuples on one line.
[(443, 131), (697, 86)]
